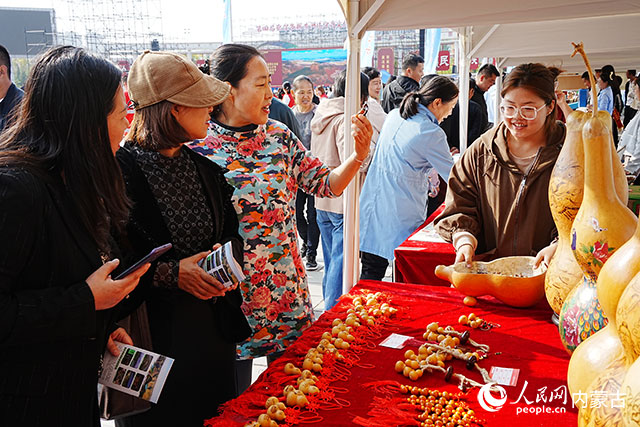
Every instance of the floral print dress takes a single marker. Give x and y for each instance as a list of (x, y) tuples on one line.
[(266, 166)]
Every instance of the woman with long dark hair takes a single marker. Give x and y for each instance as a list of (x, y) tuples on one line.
[(61, 195), (267, 164), (393, 202), (497, 201)]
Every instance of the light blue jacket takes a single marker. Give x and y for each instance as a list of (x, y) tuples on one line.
[(393, 202), (605, 100)]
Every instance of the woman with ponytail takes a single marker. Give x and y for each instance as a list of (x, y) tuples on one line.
[(411, 151)]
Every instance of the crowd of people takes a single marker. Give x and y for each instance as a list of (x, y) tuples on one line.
[(220, 158)]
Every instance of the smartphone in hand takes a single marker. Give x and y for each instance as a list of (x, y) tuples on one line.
[(364, 110), (150, 257)]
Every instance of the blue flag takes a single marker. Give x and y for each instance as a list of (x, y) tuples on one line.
[(227, 32)]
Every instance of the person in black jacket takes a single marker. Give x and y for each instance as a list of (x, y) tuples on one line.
[(486, 77), (10, 95), (61, 193), (451, 125), (394, 92), (182, 198)]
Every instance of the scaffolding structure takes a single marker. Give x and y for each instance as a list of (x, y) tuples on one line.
[(116, 29)]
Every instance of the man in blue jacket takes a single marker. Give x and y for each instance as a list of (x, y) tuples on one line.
[(10, 95)]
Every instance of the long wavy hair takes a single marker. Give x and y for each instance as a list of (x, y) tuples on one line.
[(60, 129)]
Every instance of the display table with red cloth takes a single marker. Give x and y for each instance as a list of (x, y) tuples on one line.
[(526, 340), (416, 258)]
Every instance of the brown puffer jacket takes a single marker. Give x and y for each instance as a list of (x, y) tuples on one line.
[(505, 209)]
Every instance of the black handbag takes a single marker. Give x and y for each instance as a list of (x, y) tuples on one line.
[(115, 404)]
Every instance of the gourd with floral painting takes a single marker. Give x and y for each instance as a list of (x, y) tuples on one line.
[(602, 225)]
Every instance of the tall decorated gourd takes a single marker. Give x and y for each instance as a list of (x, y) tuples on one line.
[(603, 224), (566, 188), (600, 364), (565, 197)]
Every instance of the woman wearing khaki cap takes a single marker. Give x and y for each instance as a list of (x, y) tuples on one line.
[(180, 197), (267, 164)]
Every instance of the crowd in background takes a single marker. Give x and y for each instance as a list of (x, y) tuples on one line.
[(211, 159)]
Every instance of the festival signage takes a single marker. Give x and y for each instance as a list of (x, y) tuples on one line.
[(386, 60), (274, 64), (444, 61)]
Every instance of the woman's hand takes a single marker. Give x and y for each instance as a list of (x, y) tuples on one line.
[(362, 132), (465, 253), (194, 280), (119, 335), (545, 255), (108, 292)]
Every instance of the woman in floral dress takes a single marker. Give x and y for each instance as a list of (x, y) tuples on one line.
[(267, 163)]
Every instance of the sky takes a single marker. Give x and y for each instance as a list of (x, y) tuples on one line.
[(201, 20)]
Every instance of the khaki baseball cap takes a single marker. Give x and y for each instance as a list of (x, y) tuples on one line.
[(158, 76)]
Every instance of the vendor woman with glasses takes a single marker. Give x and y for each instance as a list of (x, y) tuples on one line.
[(497, 200)]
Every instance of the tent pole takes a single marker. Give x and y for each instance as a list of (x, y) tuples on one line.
[(351, 245), (500, 61), (464, 44)]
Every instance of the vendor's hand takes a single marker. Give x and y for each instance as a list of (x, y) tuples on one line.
[(454, 150), (216, 247), (465, 253), (545, 255), (194, 280), (108, 292), (561, 97), (119, 335), (362, 132)]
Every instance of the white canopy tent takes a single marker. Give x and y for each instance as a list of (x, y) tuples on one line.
[(535, 31)]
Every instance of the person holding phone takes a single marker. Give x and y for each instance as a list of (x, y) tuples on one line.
[(267, 164), (327, 143), (412, 151), (61, 194), (182, 198)]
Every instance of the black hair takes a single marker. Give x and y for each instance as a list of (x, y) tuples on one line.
[(62, 128), (424, 79), (229, 62), (286, 86), (371, 72), (436, 87), (632, 72), (540, 80), (488, 70), (300, 78), (339, 86), (5, 59), (411, 60), (585, 75)]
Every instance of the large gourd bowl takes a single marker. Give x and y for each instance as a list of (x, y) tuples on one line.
[(512, 280)]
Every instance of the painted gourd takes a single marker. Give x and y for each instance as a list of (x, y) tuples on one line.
[(591, 358), (566, 187), (565, 197), (603, 224), (607, 385), (601, 228), (630, 392), (512, 280), (628, 318)]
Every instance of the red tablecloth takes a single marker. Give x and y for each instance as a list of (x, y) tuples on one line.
[(415, 261), (526, 340)]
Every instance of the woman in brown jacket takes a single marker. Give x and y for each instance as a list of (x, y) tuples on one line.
[(497, 202)]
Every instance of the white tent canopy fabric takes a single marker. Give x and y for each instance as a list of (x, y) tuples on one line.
[(525, 31), (607, 39)]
